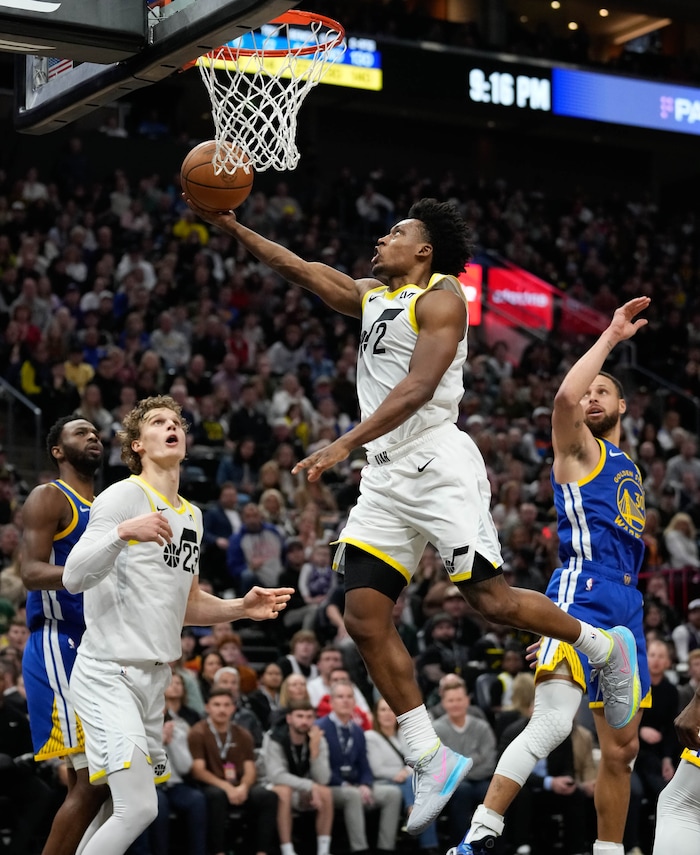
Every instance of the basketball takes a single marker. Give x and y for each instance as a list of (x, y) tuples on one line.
[(223, 192)]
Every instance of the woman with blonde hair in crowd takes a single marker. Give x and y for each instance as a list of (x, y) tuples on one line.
[(309, 529), (681, 541), (293, 688), (276, 512)]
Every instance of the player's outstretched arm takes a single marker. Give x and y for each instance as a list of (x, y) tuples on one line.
[(338, 290), (570, 436), (204, 609)]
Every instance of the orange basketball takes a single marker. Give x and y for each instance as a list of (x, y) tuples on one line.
[(222, 192)]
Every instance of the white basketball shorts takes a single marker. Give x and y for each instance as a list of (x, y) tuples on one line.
[(432, 488), (121, 707)]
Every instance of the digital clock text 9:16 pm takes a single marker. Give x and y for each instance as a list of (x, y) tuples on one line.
[(508, 90)]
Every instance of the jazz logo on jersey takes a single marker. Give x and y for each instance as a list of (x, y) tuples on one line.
[(185, 553), (631, 513)]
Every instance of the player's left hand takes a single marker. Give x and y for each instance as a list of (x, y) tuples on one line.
[(265, 603), (319, 461), (623, 324)]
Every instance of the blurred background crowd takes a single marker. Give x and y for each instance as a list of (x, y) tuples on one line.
[(111, 290)]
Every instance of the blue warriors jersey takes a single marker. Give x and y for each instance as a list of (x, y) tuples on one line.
[(601, 519), (56, 621), (600, 522), (60, 605)]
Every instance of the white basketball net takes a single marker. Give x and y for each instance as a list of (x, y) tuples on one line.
[(256, 96)]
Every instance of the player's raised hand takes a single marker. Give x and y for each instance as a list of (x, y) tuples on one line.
[(265, 603), (623, 324), (319, 461), (152, 527)]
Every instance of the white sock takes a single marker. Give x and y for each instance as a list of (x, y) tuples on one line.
[(287, 849), (605, 847), (323, 844), (485, 822), (418, 729), (595, 643)]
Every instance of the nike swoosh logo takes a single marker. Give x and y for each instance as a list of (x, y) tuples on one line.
[(616, 453), (373, 297), (161, 509), (441, 777), (421, 468), (84, 509)]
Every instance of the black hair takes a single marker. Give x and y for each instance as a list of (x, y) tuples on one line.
[(618, 385), (447, 232), (53, 437)]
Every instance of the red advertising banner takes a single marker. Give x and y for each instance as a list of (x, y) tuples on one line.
[(520, 299), (577, 318), (472, 282)]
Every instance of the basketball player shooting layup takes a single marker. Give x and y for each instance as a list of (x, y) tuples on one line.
[(55, 516), (425, 480), (138, 564)]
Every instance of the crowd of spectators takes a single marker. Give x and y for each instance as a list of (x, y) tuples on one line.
[(110, 292)]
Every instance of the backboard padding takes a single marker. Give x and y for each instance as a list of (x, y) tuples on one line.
[(174, 41)]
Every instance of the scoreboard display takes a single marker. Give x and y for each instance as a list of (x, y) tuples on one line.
[(588, 95)]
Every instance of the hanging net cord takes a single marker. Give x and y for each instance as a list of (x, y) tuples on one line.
[(256, 92)]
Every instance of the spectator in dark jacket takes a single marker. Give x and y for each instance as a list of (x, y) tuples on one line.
[(220, 523)]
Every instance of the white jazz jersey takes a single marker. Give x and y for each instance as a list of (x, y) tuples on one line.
[(389, 334), (135, 613)]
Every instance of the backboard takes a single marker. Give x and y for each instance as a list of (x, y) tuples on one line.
[(51, 92), (58, 28)]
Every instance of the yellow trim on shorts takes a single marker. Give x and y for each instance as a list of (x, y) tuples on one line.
[(63, 752), (54, 745), (598, 466), (691, 757), (565, 653), (162, 778), (387, 559), (98, 776)]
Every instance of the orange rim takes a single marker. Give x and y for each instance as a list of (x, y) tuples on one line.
[(294, 16)]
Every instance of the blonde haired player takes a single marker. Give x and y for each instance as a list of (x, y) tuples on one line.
[(425, 480), (138, 564)]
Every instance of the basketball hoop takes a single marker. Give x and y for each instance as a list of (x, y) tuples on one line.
[(258, 82)]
